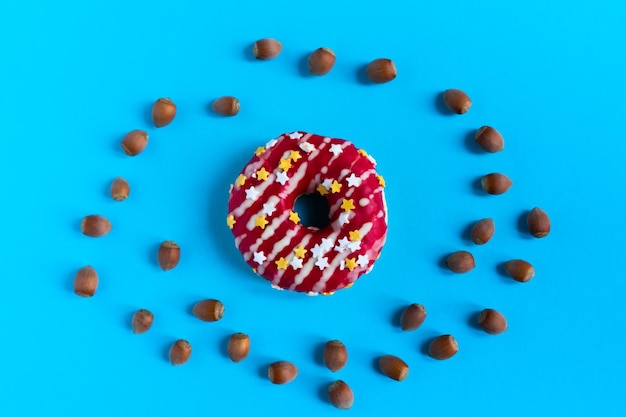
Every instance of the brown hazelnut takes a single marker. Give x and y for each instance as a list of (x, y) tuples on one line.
[(495, 183), (86, 282), (538, 223), (321, 61), (443, 347), (340, 395), (238, 347), (483, 231), (95, 225), (267, 48), (520, 270), (163, 112), (413, 317), (335, 355), (393, 367), (168, 255), (457, 101), (460, 262), (226, 106), (209, 310), (282, 372), (120, 189), (492, 321), (142, 321), (180, 352), (489, 139), (135, 142), (381, 70)]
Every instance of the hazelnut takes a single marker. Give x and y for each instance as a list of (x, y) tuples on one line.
[(489, 139), (457, 101), (520, 270), (483, 231), (168, 255), (335, 355), (538, 223), (95, 225), (86, 282), (412, 317), (393, 367), (460, 262), (120, 189), (495, 183), (163, 112), (226, 106), (340, 395), (267, 48), (492, 321), (142, 321), (321, 61), (381, 70), (134, 142), (180, 352), (238, 347), (209, 310), (282, 372), (443, 347)]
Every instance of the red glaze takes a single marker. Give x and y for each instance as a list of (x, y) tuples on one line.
[(270, 248)]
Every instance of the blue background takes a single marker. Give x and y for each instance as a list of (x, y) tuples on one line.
[(75, 76)]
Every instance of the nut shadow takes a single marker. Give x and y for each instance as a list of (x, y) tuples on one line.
[(262, 371), (477, 188), (472, 320), (443, 264), (501, 270), (361, 75), (128, 321), (441, 107), (322, 392), (424, 347), (153, 255), (247, 53), (466, 233), (522, 225), (470, 143), (165, 351), (396, 317), (147, 115), (223, 347), (318, 354), (303, 66)]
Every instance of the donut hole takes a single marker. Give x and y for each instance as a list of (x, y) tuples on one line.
[(313, 210)]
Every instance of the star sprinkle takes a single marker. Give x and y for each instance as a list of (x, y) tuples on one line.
[(281, 263), (343, 218), (322, 263), (347, 205), (354, 246), (363, 261), (293, 216), (353, 180), (294, 156), (335, 148), (261, 222), (259, 151), (295, 135), (342, 244), (252, 193), (271, 143), (259, 257), (362, 152), (381, 180), (282, 177), (299, 252), (241, 180), (307, 147), (355, 235), (350, 263), (326, 183), (268, 209), (296, 263), (262, 174), (316, 251), (335, 187), (230, 221), (321, 189), (327, 244), (285, 164)]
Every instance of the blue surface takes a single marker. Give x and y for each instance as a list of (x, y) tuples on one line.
[(75, 77)]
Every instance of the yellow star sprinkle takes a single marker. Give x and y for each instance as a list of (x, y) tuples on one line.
[(230, 221), (241, 180), (300, 252), (281, 263), (261, 222), (335, 187), (362, 152), (254, 270), (328, 293), (259, 151), (355, 235), (350, 263), (381, 180), (293, 216), (294, 155), (347, 205), (348, 286), (285, 164), (262, 174), (321, 189)]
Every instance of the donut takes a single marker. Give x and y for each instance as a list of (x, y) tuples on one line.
[(268, 231)]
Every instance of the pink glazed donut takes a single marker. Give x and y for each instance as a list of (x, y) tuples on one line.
[(268, 231)]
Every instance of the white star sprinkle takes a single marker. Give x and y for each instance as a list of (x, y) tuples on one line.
[(354, 246), (353, 180), (363, 260), (343, 218), (316, 251), (327, 244), (282, 177), (295, 135), (311, 293), (322, 263), (307, 147), (259, 257), (268, 209), (326, 183), (276, 287), (343, 244), (335, 148), (271, 143), (252, 193), (342, 265), (296, 263)]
